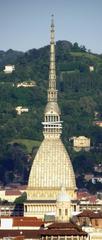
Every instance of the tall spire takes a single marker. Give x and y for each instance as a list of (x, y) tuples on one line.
[(52, 92), (52, 124)]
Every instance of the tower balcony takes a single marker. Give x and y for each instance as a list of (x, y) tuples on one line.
[(52, 129)]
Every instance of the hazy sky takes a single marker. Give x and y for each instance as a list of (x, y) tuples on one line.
[(25, 24)]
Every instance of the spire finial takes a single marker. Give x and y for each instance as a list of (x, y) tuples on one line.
[(52, 20)]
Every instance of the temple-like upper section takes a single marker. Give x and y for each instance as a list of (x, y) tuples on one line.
[(52, 123)]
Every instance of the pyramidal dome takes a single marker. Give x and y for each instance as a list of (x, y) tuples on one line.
[(51, 167)]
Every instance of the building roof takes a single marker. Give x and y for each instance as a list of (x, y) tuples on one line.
[(86, 197), (20, 233), (12, 192), (55, 229), (61, 225), (92, 199), (61, 228), (53, 166), (90, 214), (82, 195), (27, 221), (63, 232), (44, 201), (22, 187), (38, 233)]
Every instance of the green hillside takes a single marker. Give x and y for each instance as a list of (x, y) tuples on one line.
[(80, 98)]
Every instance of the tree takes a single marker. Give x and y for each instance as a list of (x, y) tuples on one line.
[(21, 199), (83, 48), (75, 47)]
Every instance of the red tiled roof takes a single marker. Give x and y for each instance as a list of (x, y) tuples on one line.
[(81, 195), (12, 192), (61, 225), (22, 187), (61, 228), (18, 238), (38, 233), (90, 214), (27, 221), (24, 218), (27, 218), (54, 229), (85, 213), (92, 199), (63, 232), (86, 196), (20, 233)]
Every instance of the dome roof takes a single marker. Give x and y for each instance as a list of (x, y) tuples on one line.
[(63, 197), (52, 107), (52, 167)]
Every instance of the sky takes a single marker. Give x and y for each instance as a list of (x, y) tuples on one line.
[(25, 24)]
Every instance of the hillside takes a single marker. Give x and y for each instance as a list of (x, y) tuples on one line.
[(9, 57), (80, 98)]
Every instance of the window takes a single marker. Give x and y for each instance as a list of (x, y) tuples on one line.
[(51, 118), (96, 222), (59, 212), (66, 212), (74, 208), (25, 208)]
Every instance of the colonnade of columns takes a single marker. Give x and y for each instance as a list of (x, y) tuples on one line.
[(39, 208)]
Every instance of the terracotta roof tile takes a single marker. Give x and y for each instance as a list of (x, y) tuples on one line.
[(92, 199), (27, 221), (38, 233), (90, 214), (18, 238), (85, 213), (86, 196), (82, 195), (22, 187), (61, 225), (62, 228), (20, 233), (12, 192), (63, 232)]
